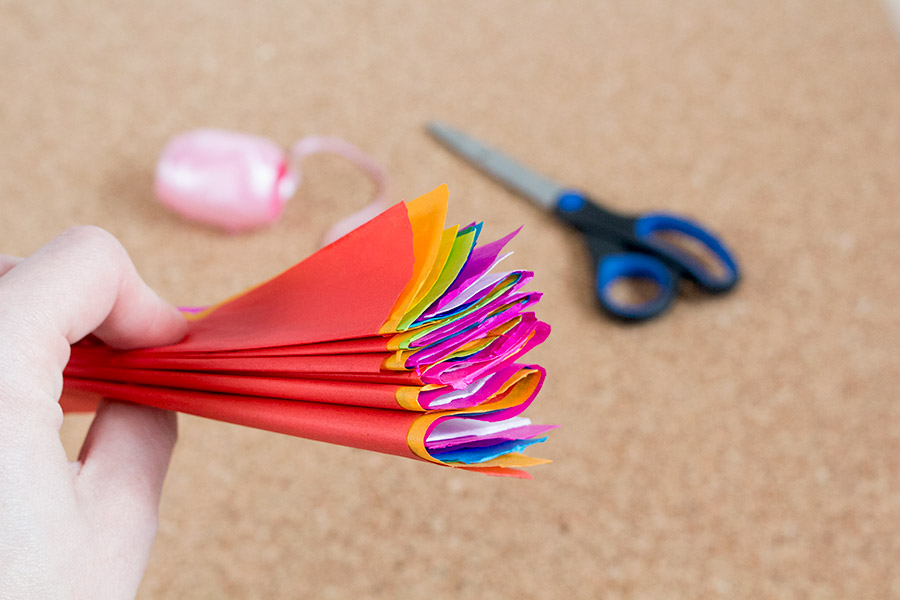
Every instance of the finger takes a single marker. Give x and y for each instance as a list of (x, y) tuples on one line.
[(126, 454), (7, 262), (124, 459), (82, 281)]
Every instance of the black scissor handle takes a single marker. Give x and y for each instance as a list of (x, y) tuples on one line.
[(640, 248), (619, 264)]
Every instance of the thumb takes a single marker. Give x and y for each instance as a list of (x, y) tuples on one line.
[(124, 461)]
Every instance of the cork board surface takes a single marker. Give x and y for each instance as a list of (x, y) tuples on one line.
[(742, 447)]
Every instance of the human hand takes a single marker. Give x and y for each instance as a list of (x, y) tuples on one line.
[(82, 529)]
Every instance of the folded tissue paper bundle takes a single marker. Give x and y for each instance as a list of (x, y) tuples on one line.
[(397, 338)]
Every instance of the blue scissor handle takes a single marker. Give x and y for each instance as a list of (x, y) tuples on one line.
[(648, 225), (627, 247), (613, 268)]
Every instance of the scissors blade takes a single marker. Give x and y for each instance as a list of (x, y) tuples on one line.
[(500, 167)]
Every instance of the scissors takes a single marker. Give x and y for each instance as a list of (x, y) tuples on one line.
[(657, 247)]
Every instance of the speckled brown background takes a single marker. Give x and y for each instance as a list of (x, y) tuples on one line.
[(741, 447)]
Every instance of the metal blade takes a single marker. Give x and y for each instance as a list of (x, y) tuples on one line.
[(503, 169)]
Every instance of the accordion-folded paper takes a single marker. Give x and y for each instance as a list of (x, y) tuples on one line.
[(401, 337)]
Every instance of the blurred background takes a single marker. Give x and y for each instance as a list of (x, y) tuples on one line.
[(743, 446)]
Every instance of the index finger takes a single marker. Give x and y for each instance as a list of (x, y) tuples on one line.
[(81, 282)]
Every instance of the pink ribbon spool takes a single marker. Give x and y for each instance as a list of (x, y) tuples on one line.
[(238, 182)]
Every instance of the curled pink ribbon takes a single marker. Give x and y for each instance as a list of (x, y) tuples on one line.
[(238, 182)]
